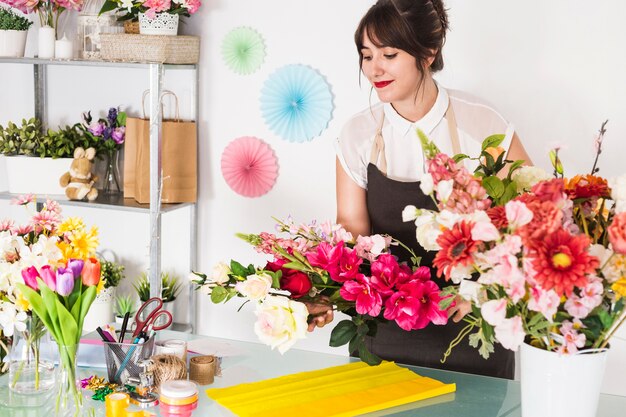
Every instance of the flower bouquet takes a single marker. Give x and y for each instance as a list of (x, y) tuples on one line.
[(547, 255), (130, 9), (49, 11), (59, 281), (324, 264)]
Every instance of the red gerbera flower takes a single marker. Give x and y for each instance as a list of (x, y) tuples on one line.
[(561, 261), (457, 247), (497, 215)]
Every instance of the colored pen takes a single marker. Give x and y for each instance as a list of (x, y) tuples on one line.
[(106, 336), (124, 325)]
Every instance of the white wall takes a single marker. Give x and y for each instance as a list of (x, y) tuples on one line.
[(553, 68)]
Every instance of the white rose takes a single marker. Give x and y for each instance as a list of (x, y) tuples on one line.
[(255, 287), (526, 177), (427, 185), (281, 322), (219, 274), (618, 192)]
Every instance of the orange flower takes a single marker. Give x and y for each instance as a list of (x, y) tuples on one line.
[(91, 272), (587, 186)]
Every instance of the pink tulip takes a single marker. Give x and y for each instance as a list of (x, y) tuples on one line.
[(30, 276), (91, 272), (49, 276)]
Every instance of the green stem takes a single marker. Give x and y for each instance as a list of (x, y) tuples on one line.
[(464, 332)]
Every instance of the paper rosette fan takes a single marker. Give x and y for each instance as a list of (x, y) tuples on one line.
[(296, 103), (243, 50), (249, 166)]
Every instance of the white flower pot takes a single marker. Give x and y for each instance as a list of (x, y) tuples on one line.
[(34, 175), (12, 43), (101, 311), (560, 385), (162, 24), (45, 42)]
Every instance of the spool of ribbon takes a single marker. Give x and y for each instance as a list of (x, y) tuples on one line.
[(178, 398), (202, 369), (116, 404), (172, 347)]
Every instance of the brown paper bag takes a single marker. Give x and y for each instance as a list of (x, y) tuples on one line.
[(178, 160)]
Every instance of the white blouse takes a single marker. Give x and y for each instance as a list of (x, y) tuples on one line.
[(405, 162)]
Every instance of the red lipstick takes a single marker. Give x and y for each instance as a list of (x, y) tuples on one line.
[(382, 84)]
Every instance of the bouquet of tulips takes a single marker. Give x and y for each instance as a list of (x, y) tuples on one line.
[(324, 264)]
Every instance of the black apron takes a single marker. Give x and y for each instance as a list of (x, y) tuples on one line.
[(386, 198)]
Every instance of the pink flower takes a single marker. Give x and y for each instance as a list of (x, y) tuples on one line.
[(156, 6), (494, 311), (349, 264), (46, 220), (30, 276), (510, 333), (23, 200), (370, 247), (368, 300), (552, 190), (6, 225), (544, 302), (385, 271), (576, 307), (617, 233), (485, 231), (517, 214), (49, 276), (327, 257), (192, 5), (572, 340), (415, 305), (22, 230)]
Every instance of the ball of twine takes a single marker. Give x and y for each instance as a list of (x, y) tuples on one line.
[(168, 368)]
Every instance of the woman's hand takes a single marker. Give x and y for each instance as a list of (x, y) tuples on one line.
[(460, 308), (321, 313)]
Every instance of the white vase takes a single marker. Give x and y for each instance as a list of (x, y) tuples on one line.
[(34, 175), (45, 43), (162, 24), (101, 311), (560, 385), (12, 43)]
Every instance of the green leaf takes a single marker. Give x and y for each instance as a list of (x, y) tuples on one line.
[(605, 318), (515, 165), (37, 305), (238, 269), (342, 333), (69, 328), (298, 266), (510, 192), (218, 294), (494, 186), (121, 118), (367, 356), (108, 6), (492, 141), (429, 148), (85, 303), (459, 157)]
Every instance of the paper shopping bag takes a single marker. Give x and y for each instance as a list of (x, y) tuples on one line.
[(134, 128)]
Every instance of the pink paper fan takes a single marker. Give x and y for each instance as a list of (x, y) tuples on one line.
[(249, 166)]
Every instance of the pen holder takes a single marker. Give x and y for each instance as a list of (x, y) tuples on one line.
[(125, 356)]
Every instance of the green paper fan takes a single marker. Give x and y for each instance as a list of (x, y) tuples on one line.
[(243, 50)]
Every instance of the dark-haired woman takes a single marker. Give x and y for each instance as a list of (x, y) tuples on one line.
[(380, 160)]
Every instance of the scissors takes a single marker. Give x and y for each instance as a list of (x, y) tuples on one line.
[(157, 319)]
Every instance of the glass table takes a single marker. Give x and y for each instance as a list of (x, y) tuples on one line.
[(476, 396)]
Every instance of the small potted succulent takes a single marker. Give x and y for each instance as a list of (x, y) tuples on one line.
[(170, 288), (124, 304), (13, 31)]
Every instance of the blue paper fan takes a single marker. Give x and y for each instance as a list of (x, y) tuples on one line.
[(296, 103)]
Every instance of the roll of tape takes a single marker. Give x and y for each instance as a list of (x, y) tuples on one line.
[(179, 389), (178, 401), (116, 404), (202, 369), (172, 347)]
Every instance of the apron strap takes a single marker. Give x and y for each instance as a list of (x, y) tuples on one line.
[(378, 148), (452, 128)]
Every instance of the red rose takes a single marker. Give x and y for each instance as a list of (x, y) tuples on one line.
[(296, 282)]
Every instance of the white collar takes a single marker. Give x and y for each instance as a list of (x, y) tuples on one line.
[(426, 123)]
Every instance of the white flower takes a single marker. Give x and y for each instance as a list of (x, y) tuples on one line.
[(219, 274), (410, 213), (460, 272), (447, 218), (471, 291), (11, 319), (427, 184), (427, 231), (494, 311), (127, 4), (510, 333), (255, 287), (618, 192), (281, 322), (444, 190), (9, 243), (526, 177)]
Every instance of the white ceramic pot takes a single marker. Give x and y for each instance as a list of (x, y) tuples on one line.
[(45, 42), (560, 385), (34, 175), (162, 24), (101, 311), (12, 43)]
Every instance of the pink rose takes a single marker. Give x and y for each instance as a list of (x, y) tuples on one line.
[(617, 233)]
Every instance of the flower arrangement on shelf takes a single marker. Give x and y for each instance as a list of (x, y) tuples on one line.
[(49, 272), (548, 254), (49, 11), (130, 10), (10, 20), (324, 264)]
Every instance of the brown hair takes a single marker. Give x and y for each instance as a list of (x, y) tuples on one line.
[(417, 27)]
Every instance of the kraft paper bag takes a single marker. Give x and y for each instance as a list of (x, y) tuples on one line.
[(178, 160)]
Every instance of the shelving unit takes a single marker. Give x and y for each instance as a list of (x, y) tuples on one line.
[(155, 208)]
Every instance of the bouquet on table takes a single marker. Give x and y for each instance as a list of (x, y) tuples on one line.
[(548, 253), (324, 264), (48, 271)]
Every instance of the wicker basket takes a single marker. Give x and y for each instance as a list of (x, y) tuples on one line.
[(150, 48), (131, 27)]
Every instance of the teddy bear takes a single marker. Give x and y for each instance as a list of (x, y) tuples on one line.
[(79, 181)]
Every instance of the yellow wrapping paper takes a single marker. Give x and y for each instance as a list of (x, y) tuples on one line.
[(339, 391)]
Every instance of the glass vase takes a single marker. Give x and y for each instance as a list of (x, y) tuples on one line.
[(31, 359), (69, 401), (111, 182)]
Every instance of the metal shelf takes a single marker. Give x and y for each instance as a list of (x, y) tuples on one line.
[(95, 63), (104, 201)]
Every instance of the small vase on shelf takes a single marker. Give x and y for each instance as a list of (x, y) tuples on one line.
[(111, 182), (47, 38)]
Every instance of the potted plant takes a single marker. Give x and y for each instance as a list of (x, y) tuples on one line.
[(170, 288), (13, 31), (155, 17), (124, 304), (19, 144), (101, 313)]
